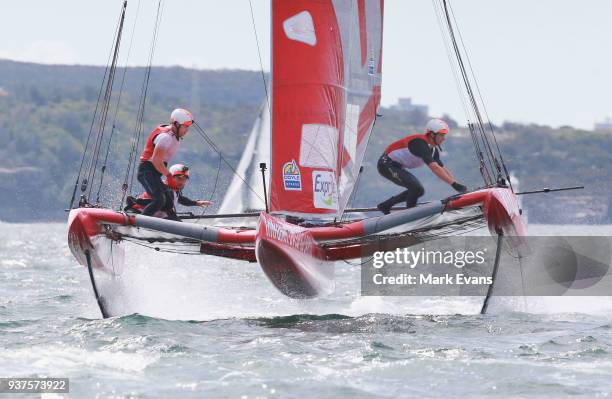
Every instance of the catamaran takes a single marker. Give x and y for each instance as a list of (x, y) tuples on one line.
[(313, 132)]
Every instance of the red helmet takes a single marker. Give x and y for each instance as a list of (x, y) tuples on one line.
[(177, 170)]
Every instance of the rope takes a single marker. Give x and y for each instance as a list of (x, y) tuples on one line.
[(110, 140), (139, 124), (484, 106), (263, 75), (107, 100), (212, 145), (488, 160), (213, 191), (93, 120), (476, 145), (161, 249)]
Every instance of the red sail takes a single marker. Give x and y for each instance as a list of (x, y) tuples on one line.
[(326, 74)]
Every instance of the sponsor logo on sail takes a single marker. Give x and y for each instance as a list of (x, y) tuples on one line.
[(300, 27), (324, 191), (292, 179)]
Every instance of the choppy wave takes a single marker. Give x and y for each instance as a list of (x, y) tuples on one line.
[(210, 328)]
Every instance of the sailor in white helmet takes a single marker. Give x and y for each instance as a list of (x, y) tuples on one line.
[(413, 152), (161, 146), (175, 183)]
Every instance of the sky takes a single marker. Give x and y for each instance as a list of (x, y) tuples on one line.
[(536, 61)]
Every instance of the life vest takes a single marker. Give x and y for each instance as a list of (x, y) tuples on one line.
[(147, 153), (399, 152)]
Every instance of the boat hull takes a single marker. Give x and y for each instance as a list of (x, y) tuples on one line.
[(292, 260), (87, 237)]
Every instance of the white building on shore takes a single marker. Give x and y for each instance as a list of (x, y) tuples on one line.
[(405, 104), (605, 126)]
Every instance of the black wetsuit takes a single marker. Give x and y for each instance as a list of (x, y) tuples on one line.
[(168, 206), (150, 179), (394, 171)]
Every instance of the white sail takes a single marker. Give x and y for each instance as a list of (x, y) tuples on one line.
[(239, 197)]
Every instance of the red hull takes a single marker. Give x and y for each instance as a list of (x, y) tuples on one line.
[(291, 259), (85, 233)]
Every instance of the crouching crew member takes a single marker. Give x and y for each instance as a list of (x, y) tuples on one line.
[(413, 152), (173, 195)]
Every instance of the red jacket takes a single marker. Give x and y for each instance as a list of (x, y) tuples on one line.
[(147, 153), (399, 152)]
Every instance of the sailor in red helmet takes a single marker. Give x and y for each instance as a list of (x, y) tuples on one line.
[(413, 152), (161, 146), (175, 183)]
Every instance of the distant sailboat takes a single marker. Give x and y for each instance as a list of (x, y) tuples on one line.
[(239, 197)]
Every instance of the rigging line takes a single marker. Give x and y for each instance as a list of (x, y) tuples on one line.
[(135, 141), (468, 113), (106, 106), (484, 171), (453, 68), (460, 61), (452, 65), (212, 144), (146, 86), (160, 249), (213, 191), (263, 75), (353, 193), (216, 183), (357, 180), (481, 97), (106, 101), (93, 119), (118, 100), (478, 151), (103, 118), (467, 56), (466, 81), (464, 74), (490, 125)]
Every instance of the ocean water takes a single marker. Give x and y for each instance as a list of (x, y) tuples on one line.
[(197, 326)]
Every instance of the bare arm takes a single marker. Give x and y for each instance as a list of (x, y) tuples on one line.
[(441, 172), (157, 159), (449, 173)]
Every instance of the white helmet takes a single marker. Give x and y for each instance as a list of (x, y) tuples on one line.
[(182, 117), (176, 170), (436, 126), (179, 170)]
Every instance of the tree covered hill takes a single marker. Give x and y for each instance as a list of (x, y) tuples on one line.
[(46, 111)]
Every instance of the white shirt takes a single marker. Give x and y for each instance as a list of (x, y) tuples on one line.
[(168, 143)]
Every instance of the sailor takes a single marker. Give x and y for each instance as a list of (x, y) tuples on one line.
[(412, 152), (173, 195), (161, 146)]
